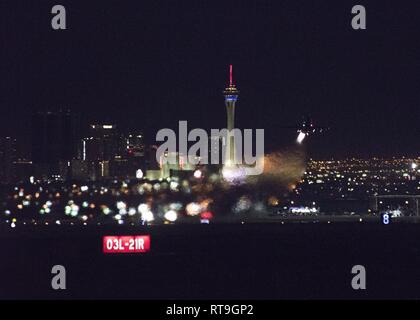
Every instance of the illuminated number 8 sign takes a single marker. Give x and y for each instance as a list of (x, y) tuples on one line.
[(386, 218)]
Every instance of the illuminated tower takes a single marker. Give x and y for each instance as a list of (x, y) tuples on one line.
[(231, 96)]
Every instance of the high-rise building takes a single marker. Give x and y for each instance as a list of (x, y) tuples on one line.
[(123, 153), (135, 144), (8, 156), (104, 143), (102, 130), (231, 96), (53, 140), (23, 170)]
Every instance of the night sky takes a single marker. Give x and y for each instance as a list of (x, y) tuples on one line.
[(148, 64)]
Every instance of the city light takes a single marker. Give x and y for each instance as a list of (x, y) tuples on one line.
[(147, 216), (197, 174), (139, 174), (171, 216), (193, 209)]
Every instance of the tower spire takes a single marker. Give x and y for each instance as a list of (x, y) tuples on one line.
[(231, 94)]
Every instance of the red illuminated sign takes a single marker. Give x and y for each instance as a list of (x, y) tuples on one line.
[(126, 244)]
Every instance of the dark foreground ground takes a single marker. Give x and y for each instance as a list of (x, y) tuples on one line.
[(223, 261)]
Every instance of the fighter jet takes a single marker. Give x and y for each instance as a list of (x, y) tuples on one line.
[(307, 128)]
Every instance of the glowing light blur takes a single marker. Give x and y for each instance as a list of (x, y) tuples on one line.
[(198, 174), (143, 208), (301, 136), (232, 174), (193, 209), (243, 204), (139, 174), (207, 215), (171, 216), (175, 206), (147, 216)]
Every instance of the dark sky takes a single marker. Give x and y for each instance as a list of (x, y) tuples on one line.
[(149, 64)]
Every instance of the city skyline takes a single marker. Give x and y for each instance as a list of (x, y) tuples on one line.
[(215, 151), (169, 62)]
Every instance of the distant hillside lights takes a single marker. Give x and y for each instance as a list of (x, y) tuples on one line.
[(198, 153)]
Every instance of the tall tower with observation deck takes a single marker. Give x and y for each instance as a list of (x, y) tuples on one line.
[(231, 96)]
